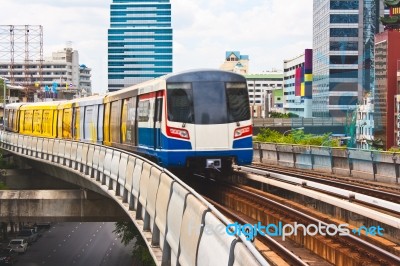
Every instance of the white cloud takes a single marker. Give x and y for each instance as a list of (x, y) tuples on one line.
[(269, 31)]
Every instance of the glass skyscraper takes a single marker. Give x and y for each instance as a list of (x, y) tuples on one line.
[(139, 42), (343, 67)]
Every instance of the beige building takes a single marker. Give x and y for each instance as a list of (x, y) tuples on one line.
[(62, 69), (235, 62)]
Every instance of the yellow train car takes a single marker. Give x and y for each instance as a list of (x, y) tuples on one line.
[(39, 119)]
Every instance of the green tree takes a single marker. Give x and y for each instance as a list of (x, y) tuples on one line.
[(128, 232)]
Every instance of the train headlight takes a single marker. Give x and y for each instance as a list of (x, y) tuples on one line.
[(243, 131), (178, 133)]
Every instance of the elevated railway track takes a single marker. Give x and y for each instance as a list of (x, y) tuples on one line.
[(247, 201)]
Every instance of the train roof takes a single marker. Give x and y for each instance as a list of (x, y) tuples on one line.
[(14, 105), (41, 105), (84, 101), (159, 83), (204, 74), (144, 87)]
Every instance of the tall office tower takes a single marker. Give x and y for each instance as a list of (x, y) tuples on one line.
[(139, 42), (343, 44)]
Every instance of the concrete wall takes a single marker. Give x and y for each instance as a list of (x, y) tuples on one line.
[(369, 165)]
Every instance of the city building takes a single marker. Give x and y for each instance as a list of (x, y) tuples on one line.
[(387, 55), (343, 54), (365, 138), (139, 42), (236, 62), (58, 76), (261, 88), (297, 88)]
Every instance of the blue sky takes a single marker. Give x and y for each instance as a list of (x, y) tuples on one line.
[(268, 31)]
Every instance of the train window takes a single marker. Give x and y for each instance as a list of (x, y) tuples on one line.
[(180, 103), (210, 102), (143, 111), (238, 102)]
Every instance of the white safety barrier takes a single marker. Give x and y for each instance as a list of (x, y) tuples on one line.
[(242, 256), (105, 180), (101, 165), (67, 153), (174, 219), (215, 244), (29, 146), (177, 224), (39, 148), (76, 164), (191, 229), (84, 158), (61, 152), (88, 168), (73, 154), (143, 188), (152, 196), (127, 187), (112, 182), (134, 193), (123, 164)]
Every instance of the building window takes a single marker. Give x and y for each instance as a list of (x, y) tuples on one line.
[(344, 32)]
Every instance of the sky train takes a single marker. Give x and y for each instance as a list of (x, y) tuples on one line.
[(197, 119)]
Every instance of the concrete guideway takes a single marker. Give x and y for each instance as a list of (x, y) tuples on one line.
[(369, 165), (170, 215), (55, 205)]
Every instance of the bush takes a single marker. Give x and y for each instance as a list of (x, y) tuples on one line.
[(296, 137)]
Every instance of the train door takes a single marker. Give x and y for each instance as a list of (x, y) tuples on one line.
[(131, 122), (157, 119), (106, 124), (76, 123), (115, 120)]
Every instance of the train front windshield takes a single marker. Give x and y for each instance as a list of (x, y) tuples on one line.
[(208, 102)]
